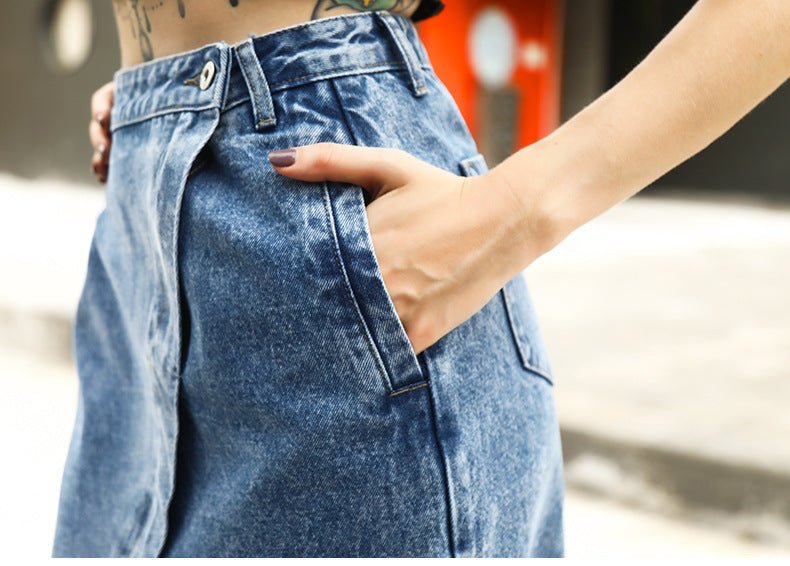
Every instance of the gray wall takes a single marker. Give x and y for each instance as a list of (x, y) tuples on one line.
[(753, 157), (585, 54), (604, 39), (44, 114)]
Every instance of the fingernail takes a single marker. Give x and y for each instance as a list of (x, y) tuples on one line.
[(282, 157)]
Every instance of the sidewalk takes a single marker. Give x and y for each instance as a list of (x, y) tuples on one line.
[(45, 230), (668, 322)]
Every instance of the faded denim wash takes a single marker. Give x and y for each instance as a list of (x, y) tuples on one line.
[(246, 386)]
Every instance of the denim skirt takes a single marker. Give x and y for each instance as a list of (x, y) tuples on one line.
[(246, 385)]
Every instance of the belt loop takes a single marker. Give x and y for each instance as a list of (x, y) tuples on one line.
[(407, 51), (260, 95)]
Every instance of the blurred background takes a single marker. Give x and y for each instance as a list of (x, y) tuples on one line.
[(667, 319)]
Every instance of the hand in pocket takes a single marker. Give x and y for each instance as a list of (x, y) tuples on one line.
[(445, 243)]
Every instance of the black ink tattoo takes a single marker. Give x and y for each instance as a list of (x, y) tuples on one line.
[(182, 9), (146, 49), (323, 6), (137, 14)]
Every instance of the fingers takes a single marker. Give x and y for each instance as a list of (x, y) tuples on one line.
[(98, 134), (99, 130), (100, 165), (375, 169), (101, 101)]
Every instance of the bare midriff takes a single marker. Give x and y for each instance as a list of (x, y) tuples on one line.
[(148, 29)]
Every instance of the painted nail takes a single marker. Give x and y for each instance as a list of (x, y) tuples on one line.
[(282, 157)]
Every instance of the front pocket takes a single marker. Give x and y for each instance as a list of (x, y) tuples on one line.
[(395, 356), (521, 315)]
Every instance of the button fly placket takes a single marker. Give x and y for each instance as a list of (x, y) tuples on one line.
[(207, 75)]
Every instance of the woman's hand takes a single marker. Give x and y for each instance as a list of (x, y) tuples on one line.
[(99, 130), (445, 244)]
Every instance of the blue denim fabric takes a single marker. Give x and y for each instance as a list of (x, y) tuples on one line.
[(246, 386)]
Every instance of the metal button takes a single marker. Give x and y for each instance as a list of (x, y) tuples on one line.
[(207, 75)]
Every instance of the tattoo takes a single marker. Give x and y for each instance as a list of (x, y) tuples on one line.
[(323, 6), (146, 48), (182, 10), (136, 14)]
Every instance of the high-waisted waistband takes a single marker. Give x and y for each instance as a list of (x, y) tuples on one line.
[(220, 75)]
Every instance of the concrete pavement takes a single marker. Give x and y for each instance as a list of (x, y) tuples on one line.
[(668, 322), (45, 230)]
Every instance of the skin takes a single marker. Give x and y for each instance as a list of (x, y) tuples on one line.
[(155, 28), (446, 244), (148, 29)]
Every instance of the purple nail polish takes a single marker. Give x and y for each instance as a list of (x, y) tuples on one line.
[(282, 157)]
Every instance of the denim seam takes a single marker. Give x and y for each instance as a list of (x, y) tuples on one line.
[(514, 329), (282, 86), (523, 357), (349, 291), (161, 112), (380, 66), (540, 373), (127, 75), (414, 387), (404, 47), (274, 87), (407, 388), (236, 103), (179, 318), (353, 138), (338, 71), (445, 467), (255, 90)]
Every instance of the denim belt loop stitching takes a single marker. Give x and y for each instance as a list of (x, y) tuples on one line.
[(260, 94), (406, 49), (222, 78)]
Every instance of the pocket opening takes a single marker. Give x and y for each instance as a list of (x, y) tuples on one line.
[(515, 298), (392, 348)]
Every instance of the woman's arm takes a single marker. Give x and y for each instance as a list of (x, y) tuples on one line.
[(720, 61), (447, 244)]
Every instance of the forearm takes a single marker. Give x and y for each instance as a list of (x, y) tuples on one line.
[(718, 63)]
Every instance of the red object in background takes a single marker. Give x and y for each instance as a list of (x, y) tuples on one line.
[(534, 70)]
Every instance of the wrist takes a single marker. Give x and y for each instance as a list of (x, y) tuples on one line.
[(528, 211), (553, 186)]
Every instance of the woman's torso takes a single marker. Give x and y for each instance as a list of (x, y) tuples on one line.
[(148, 29)]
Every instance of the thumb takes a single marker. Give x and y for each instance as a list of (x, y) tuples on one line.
[(373, 168)]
